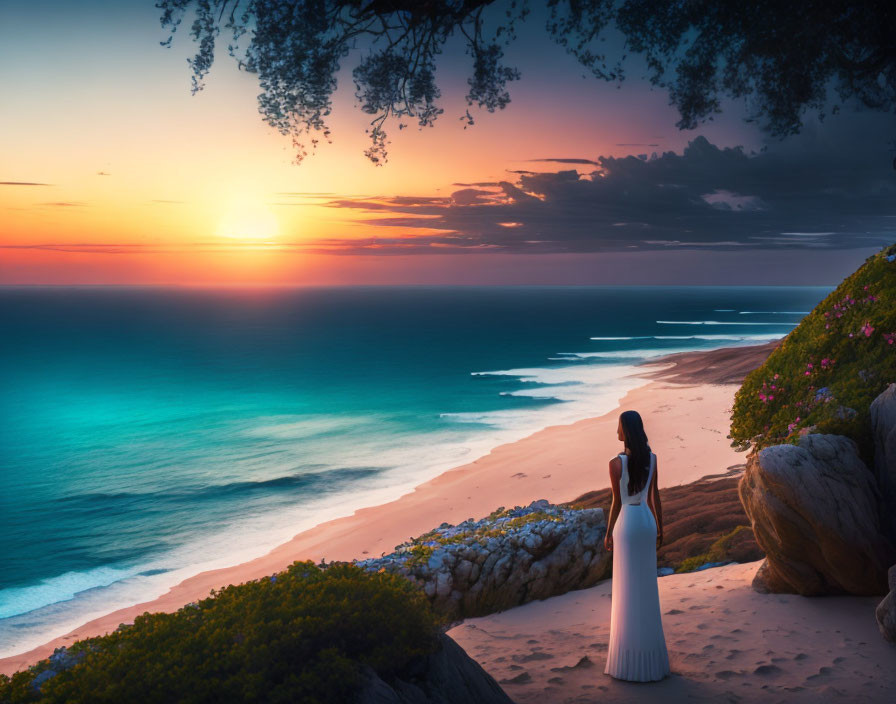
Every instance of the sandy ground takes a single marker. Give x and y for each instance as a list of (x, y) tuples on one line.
[(686, 424), (726, 642)]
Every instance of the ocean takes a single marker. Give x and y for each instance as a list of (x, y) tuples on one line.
[(147, 434)]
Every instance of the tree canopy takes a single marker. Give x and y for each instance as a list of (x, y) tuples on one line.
[(782, 57)]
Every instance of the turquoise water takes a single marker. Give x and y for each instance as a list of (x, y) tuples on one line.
[(148, 434)]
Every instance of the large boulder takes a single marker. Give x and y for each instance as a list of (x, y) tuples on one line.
[(886, 610), (883, 427), (447, 676), (503, 560), (814, 509)]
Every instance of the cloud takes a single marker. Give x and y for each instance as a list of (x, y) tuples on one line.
[(828, 189), (102, 173), (831, 187), (569, 161), (64, 204), (23, 183)]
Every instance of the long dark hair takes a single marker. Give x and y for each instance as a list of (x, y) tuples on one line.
[(639, 457)]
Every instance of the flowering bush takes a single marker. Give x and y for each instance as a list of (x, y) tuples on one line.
[(825, 373)]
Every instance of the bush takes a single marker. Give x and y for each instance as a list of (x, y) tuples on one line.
[(718, 551), (298, 636), (828, 370)]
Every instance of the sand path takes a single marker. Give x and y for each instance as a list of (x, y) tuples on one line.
[(726, 642)]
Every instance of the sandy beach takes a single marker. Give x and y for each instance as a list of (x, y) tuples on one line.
[(685, 402)]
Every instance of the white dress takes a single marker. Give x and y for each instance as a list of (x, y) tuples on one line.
[(637, 648)]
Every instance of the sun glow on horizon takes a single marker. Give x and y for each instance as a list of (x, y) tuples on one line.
[(248, 219)]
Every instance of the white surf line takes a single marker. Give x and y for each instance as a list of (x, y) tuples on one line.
[(716, 322)]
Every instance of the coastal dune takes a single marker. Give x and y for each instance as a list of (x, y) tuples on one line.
[(686, 419)]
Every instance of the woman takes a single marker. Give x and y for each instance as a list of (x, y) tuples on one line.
[(637, 649)]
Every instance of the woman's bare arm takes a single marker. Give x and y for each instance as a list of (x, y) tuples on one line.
[(615, 474), (656, 504)]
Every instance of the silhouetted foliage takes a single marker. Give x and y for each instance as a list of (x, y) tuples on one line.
[(298, 636), (783, 56)]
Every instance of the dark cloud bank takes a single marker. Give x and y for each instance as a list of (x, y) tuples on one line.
[(831, 187)]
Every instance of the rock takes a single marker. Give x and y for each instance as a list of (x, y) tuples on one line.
[(41, 678), (496, 563), (883, 428), (814, 510), (710, 565), (443, 584), (447, 676), (886, 610)]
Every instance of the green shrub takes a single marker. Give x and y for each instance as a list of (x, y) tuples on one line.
[(299, 636), (717, 552), (828, 370)]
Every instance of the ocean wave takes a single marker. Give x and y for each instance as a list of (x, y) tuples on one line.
[(732, 338), (716, 322), (63, 587), (569, 393), (775, 312), (634, 337), (623, 354), (638, 352), (293, 428), (302, 480)]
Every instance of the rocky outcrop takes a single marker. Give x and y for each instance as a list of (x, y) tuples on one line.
[(886, 610), (814, 510), (506, 559), (447, 676), (883, 428)]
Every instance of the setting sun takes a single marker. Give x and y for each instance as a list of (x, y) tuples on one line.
[(248, 220)]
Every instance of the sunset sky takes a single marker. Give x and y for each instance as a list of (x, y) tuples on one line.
[(111, 172)]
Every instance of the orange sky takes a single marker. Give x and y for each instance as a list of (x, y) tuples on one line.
[(148, 184)]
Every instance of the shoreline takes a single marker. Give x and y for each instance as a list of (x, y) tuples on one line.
[(685, 402)]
